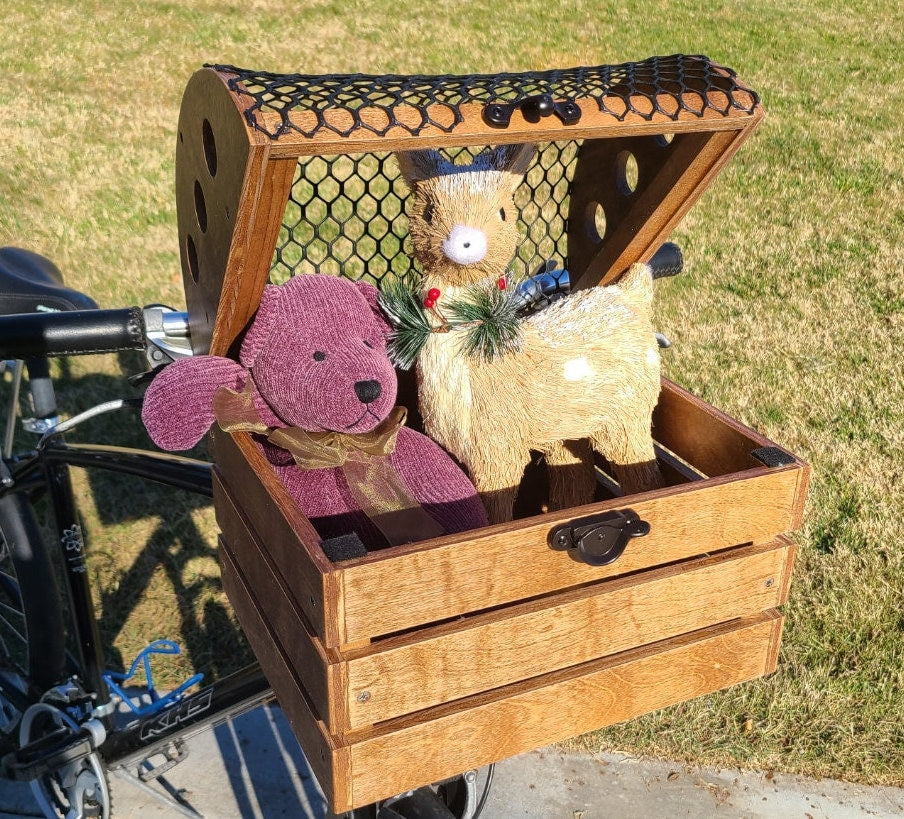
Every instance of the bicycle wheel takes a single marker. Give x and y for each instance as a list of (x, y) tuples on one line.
[(454, 798), (32, 639)]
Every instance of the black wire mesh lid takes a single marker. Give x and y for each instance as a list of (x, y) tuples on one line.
[(670, 88)]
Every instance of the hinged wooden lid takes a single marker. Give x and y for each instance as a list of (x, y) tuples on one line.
[(241, 134)]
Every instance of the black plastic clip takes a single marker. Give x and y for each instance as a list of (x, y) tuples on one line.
[(499, 114), (599, 540)]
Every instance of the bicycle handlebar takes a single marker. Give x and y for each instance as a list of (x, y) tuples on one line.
[(76, 332), (83, 332)]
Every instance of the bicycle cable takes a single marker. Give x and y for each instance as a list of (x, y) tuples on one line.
[(92, 412)]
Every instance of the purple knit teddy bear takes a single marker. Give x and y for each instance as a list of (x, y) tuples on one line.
[(315, 387)]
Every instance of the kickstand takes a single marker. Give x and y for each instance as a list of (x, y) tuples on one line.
[(171, 798)]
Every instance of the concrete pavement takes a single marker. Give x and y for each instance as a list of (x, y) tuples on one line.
[(252, 767)]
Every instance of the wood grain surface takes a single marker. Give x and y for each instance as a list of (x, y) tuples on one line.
[(432, 666), (377, 762), (410, 586)]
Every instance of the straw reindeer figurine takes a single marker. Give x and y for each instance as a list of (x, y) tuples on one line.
[(585, 369)]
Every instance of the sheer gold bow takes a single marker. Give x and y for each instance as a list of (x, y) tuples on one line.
[(373, 481)]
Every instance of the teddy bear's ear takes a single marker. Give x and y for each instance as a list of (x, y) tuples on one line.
[(259, 330), (372, 295)]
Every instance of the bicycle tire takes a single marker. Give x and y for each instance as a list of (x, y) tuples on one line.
[(423, 803), (32, 636), (448, 799)]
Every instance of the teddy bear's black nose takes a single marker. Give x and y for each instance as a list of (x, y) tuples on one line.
[(367, 391)]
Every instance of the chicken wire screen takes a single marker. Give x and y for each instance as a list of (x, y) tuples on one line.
[(346, 215), (344, 104)]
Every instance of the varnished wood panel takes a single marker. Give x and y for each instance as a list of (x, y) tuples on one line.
[(704, 436), (212, 153), (432, 666), (244, 480), (509, 562), (230, 198), (648, 215), (409, 586), (329, 761), (378, 762), (600, 183), (516, 719), (304, 652)]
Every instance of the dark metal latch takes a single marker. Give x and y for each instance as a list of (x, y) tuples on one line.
[(601, 539), (499, 114)]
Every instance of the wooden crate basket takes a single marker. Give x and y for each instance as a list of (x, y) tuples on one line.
[(421, 661)]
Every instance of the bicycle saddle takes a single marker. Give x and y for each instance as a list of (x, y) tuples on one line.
[(30, 283)]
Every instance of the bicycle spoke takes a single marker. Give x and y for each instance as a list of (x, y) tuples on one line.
[(7, 611), (13, 642)]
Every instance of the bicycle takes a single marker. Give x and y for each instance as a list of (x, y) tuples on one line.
[(61, 709)]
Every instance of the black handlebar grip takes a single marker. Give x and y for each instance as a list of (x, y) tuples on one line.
[(667, 261), (76, 332)]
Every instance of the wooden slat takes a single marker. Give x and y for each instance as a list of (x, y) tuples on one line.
[(727, 102), (432, 666), (329, 761), (497, 565), (516, 719), (378, 762), (409, 586), (316, 671), (268, 183), (243, 479), (593, 124), (675, 470), (702, 435)]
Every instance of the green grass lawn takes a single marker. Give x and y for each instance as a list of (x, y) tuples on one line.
[(790, 316)]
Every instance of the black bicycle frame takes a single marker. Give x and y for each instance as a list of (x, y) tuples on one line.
[(48, 468), (212, 705)]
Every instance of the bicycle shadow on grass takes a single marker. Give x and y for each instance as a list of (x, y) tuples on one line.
[(151, 548)]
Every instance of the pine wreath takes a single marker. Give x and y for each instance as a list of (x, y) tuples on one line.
[(485, 316)]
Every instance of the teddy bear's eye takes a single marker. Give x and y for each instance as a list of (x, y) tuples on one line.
[(428, 212), (502, 214), (368, 344), (319, 356)]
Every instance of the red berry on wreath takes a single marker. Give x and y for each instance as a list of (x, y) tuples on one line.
[(428, 302), (433, 293), (501, 283)]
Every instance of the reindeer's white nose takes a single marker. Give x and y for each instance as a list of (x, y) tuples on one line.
[(465, 245)]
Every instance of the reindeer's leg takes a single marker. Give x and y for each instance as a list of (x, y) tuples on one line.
[(640, 476), (628, 446), (571, 478), (497, 477)]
